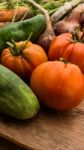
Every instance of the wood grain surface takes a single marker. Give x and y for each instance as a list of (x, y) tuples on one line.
[(49, 130)]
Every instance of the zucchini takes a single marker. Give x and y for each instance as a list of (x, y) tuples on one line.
[(16, 97)]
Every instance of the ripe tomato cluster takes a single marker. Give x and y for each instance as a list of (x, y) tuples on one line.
[(58, 84)]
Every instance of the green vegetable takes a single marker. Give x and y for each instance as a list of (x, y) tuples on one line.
[(50, 5), (20, 31), (16, 98)]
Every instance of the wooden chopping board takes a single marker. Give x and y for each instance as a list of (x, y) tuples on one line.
[(49, 130)]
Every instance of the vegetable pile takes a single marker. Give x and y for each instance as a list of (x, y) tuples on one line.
[(41, 56)]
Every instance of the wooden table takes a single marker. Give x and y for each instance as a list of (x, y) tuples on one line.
[(49, 130), (7, 145)]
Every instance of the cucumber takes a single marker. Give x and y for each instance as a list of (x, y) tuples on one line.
[(20, 31), (16, 97)]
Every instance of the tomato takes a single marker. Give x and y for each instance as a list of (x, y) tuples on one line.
[(58, 85), (23, 58), (68, 47)]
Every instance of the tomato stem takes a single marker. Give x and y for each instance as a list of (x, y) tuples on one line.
[(76, 37), (15, 50), (26, 42), (63, 60)]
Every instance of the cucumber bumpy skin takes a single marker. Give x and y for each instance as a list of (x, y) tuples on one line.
[(20, 31), (16, 98)]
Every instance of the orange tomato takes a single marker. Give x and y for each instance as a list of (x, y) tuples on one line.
[(23, 58), (58, 85), (72, 50)]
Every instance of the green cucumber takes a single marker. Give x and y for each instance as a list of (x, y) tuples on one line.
[(20, 31), (16, 97)]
